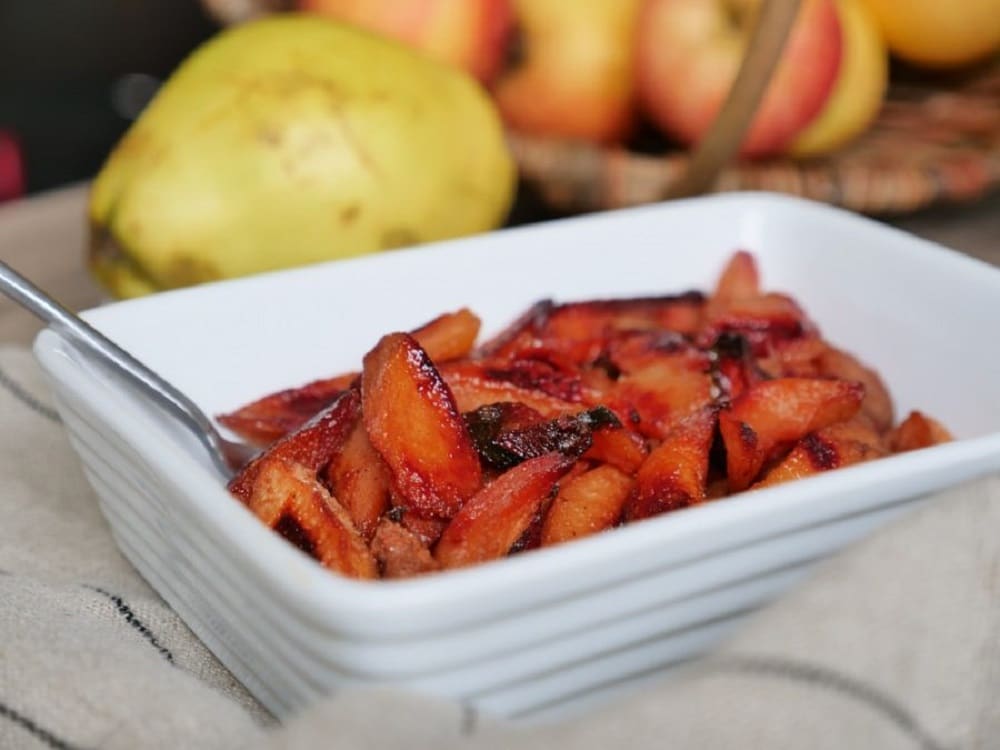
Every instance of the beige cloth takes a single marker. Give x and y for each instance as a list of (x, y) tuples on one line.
[(894, 644)]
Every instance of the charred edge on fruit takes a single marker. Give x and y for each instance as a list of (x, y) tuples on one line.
[(289, 527), (503, 449), (748, 436), (606, 364), (532, 320), (728, 345), (821, 454)]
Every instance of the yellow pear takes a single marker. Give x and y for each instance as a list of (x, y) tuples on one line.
[(292, 140)]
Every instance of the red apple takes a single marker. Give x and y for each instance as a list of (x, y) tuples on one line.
[(470, 34), (688, 53), (574, 79)]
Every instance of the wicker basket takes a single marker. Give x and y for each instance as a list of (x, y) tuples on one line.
[(936, 139)]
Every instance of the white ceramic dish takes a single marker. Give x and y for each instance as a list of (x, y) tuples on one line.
[(550, 631)]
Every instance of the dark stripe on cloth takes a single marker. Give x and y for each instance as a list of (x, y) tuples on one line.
[(470, 720), (132, 619), (32, 728), (829, 679), (19, 392)]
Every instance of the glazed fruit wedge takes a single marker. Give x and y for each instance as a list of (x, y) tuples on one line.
[(491, 522), (833, 447), (313, 446), (775, 413), (360, 480), (412, 421), (675, 474), (586, 504), (287, 497)]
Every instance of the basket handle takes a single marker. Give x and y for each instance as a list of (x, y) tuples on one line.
[(722, 141)]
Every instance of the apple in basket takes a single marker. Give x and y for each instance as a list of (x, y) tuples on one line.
[(471, 34), (688, 53), (573, 74)]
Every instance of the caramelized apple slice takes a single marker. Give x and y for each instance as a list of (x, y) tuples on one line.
[(877, 403), (635, 350), (775, 413), (794, 358), (841, 444), (917, 431), (491, 522), (739, 280), (519, 334), (399, 552), (472, 388), (543, 373), (413, 423), (764, 320), (577, 331), (448, 336), (272, 417), (622, 448), (313, 446), (288, 498), (360, 481), (676, 472), (586, 504), (664, 392), (593, 319)]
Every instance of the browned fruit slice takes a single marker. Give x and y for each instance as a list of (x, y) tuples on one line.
[(491, 522), (413, 423), (664, 392), (764, 320), (775, 413), (586, 504), (313, 446), (917, 431), (841, 444), (676, 472), (274, 416), (399, 552), (739, 280), (288, 498), (360, 480), (544, 373), (583, 321), (877, 403), (794, 358), (448, 336), (518, 334), (634, 350), (473, 387), (577, 331), (622, 448)]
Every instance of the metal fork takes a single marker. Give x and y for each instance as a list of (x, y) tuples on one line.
[(228, 455)]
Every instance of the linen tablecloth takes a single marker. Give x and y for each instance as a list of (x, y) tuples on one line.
[(893, 644)]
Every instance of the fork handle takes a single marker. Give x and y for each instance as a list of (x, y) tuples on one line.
[(112, 356)]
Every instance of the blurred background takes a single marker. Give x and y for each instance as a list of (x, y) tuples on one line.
[(881, 107), (73, 75)]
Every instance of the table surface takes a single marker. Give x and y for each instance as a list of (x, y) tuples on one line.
[(45, 237)]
